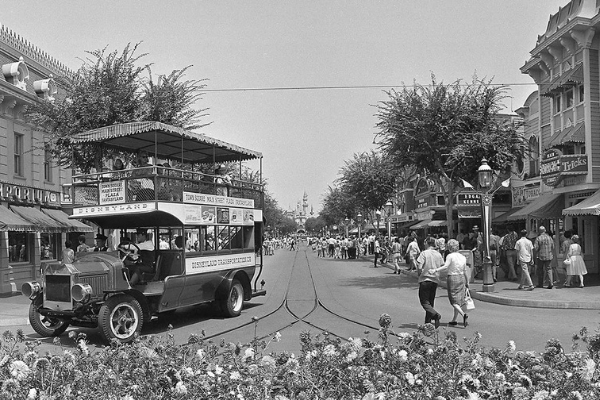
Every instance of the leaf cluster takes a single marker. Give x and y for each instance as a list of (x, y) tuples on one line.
[(111, 88)]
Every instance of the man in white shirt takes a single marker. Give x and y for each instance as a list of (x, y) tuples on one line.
[(146, 262), (524, 249)]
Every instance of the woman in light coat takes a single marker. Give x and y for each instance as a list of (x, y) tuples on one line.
[(457, 281)]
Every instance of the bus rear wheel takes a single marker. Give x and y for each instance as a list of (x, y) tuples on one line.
[(232, 305)]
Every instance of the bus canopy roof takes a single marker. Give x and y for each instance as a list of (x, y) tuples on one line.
[(165, 141)]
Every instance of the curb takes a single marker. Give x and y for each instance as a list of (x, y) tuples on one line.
[(506, 301)]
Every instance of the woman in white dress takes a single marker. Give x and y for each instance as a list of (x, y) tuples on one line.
[(457, 281), (576, 265)]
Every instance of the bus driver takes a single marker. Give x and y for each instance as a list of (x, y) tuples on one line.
[(145, 258)]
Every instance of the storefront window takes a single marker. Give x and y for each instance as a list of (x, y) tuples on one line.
[(19, 246), (49, 246)]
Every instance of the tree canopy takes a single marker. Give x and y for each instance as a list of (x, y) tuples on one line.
[(112, 88), (444, 131)]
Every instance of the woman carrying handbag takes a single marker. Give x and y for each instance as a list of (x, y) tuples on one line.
[(574, 262)]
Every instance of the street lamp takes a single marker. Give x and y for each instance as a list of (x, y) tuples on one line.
[(485, 182), (389, 208), (346, 222), (378, 216)]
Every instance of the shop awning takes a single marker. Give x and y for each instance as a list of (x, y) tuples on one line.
[(72, 225), (572, 134), (544, 207), (406, 225), (504, 217), (421, 224), (9, 221), (437, 222), (41, 221), (568, 78), (589, 206)]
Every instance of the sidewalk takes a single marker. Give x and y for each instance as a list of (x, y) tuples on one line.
[(507, 293), (14, 310)]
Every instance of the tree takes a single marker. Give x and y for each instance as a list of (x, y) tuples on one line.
[(314, 225), (111, 88), (368, 181), (337, 205), (444, 131)]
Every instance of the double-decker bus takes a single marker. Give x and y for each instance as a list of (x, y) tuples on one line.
[(179, 233)]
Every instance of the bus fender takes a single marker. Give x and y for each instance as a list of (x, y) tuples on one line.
[(223, 290)]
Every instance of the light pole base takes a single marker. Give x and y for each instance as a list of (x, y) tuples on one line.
[(488, 288)]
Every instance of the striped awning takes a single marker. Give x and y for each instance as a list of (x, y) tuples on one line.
[(547, 206), (72, 225), (166, 142), (568, 78), (572, 134), (589, 206), (9, 221), (421, 225), (38, 219)]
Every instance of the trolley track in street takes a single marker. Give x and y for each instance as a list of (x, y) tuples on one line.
[(293, 304)]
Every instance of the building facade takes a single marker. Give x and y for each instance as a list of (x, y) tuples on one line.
[(565, 111), (33, 225)]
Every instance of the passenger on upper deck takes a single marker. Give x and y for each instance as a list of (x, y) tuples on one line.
[(223, 181)]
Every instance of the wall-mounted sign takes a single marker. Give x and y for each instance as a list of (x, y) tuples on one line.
[(20, 194), (423, 202), (555, 166), (112, 192), (522, 195), (468, 200)]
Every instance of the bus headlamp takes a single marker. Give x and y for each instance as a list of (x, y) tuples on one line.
[(81, 292), (31, 289)]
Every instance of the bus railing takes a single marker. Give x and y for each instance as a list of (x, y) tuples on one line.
[(156, 183)]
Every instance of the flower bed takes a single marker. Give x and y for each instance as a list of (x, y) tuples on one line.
[(421, 365)]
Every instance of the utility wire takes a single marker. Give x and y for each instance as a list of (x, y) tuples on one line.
[(290, 88)]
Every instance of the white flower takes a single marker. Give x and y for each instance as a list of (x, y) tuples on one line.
[(590, 368), (576, 395), (32, 394), (356, 343), (218, 370), (180, 388), (541, 395), (127, 397), (277, 337), (82, 346), (235, 376), (329, 350), (19, 370), (430, 351), (200, 353), (404, 335), (249, 354), (410, 378), (351, 356), (473, 396), (403, 355), (500, 376), (268, 361), (511, 346)]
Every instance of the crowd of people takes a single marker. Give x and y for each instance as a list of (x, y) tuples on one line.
[(521, 258)]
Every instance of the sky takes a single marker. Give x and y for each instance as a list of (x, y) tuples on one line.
[(299, 80)]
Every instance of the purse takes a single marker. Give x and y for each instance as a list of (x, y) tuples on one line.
[(469, 303), (567, 262)]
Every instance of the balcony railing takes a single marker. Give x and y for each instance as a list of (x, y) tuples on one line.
[(155, 183)]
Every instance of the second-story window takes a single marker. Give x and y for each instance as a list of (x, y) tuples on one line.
[(557, 103), (18, 155), (47, 166), (569, 98)]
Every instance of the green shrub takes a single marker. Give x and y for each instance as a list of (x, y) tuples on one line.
[(421, 365)]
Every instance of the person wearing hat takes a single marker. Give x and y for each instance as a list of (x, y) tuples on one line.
[(100, 242)]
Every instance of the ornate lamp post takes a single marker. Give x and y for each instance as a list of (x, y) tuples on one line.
[(346, 223), (389, 208), (378, 216), (485, 182)]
